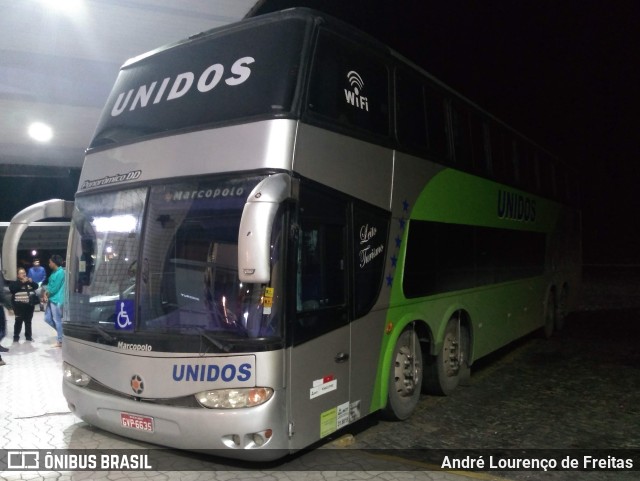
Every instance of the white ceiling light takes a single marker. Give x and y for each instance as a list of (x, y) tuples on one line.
[(63, 5), (40, 132)]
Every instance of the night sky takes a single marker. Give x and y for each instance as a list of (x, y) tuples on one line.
[(563, 72)]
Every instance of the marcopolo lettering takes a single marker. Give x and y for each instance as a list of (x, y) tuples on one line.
[(211, 193), (514, 206), (134, 347), (211, 372), (171, 88)]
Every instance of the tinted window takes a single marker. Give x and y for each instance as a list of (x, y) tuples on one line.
[(321, 279), (349, 86), (514, 159), (411, 121), (436, 123), (461, 136), (447, 257), (224, 76), (502, 155), (480, 145), (546, 175), (525, 166)]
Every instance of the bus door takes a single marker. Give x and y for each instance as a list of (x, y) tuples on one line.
[(319, 382)]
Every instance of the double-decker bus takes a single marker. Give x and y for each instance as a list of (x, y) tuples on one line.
[(283, 226)]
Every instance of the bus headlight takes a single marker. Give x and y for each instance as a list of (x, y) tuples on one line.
[(234, 398), (74, 375)]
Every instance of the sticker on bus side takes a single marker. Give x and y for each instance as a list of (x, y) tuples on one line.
[(268, 300), (124, 315), (323, 386), (334, 419)]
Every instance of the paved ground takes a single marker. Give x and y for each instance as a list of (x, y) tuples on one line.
[(34, 416), (580, 390), (575, 392)]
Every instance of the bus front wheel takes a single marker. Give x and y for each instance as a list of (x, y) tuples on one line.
[(405, 376), (449, 367)]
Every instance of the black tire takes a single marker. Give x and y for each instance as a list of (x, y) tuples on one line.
[(405, 377), (449, 367)]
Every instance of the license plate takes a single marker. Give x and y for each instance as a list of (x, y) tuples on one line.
[(134, 421)]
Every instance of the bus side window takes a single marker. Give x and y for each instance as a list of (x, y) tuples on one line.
[(461, 137), (349, 87), (501, 156), (546, 175), (437, 124), (321, 258), (561, 190), (411, 122), (480, 145), (515, 157), (528, 177), (321, 277)]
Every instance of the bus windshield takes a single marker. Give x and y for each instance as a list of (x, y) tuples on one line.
[(218, 78), (176, 271)]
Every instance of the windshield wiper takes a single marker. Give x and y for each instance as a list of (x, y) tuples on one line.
[(225, 347), (93, 328), (105, 335)]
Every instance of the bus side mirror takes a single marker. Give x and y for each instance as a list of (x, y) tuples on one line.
[(254, 237)]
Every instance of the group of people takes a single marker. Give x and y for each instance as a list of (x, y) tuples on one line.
[(34, 289)]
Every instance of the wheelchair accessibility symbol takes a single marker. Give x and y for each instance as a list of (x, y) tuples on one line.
[(124, 314)]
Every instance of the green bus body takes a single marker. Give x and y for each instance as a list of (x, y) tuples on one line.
[(497, 312)]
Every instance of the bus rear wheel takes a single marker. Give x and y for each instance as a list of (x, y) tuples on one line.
[(405, 377), (449, 367)]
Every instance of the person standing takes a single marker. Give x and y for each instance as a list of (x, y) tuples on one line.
[(23, 290), (37, 272), (54, 297), (3, 318), (39, 275)]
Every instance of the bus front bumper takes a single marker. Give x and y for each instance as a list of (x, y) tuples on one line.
[(258, 433)]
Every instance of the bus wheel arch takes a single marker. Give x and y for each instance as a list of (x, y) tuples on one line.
[(405, 372), (450, 365)]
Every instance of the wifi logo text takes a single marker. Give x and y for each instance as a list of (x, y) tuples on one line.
[(354, 95)]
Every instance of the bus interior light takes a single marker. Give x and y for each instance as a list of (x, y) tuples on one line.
[(75, 376), (234, 398)]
